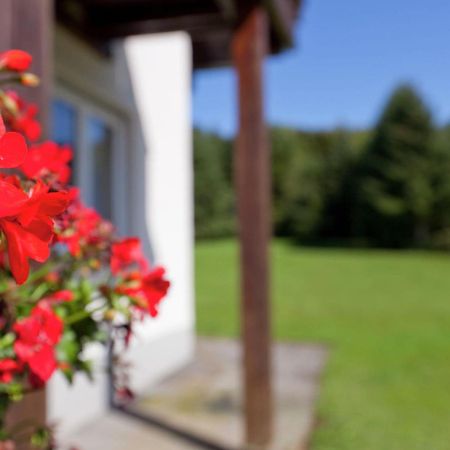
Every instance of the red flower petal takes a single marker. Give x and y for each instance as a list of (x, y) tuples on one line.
[(42, 205), (22, 245), (17, 60), (12, 199), (43, 363), (13, 150), (54, 203), (2, 127), (27, 329), (23, 351), (48, 159), (41, 228), (8, 367), (63, 296), (51, 324)]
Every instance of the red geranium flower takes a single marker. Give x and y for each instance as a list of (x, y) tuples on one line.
[(41, 207), (8, 368), (63, 296), (12, 198), (48, 160), (126, 252), (59, 297), (155, 287), (22, 117), (147, 291), (82, 229), (27, 222), (23, 244), (37, 336), (16, 60), (13, 148), (27, 124)]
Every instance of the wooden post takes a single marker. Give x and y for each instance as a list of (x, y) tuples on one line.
[(27, 25), (252, 176)]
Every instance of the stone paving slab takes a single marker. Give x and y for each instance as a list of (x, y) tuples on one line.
[(116, 431), (205, 397), (204, 400)]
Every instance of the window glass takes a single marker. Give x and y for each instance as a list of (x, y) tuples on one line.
[(99, 142), (64, 128), (92, 164)]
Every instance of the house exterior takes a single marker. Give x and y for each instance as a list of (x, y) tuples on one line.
[(128, 119), (116, 86)]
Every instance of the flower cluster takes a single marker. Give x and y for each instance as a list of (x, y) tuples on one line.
[(66, 279)]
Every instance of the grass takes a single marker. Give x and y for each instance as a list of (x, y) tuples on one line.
[(386, 319)]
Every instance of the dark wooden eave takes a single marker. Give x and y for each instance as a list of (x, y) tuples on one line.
[(210, 23)]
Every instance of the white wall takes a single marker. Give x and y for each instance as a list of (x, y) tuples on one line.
[(147, 85), (160, 71)]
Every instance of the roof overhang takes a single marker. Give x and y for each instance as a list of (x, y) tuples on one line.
[(210, 23)]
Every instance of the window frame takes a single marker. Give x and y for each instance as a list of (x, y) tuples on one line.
[(83, 159)]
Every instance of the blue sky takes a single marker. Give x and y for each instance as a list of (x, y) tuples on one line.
[(349, 55)]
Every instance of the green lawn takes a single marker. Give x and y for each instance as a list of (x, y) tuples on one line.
[(385, 317)]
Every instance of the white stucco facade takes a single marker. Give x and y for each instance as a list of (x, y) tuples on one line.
[(143, 92)]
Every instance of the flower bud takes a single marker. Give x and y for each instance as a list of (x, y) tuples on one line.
[(9, 103), (29, 79)]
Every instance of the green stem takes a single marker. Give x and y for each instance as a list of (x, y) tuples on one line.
[(9, 80), (38, 293), (39, 273), (81, 315)]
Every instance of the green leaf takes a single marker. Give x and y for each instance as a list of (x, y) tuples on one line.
[(41, 438), (87, 368), (68, 348), (7, 340), (13, 391)]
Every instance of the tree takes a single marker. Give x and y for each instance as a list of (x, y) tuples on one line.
[(440, 226), (213, 191), (309, 190), (395, 188), (340, 162), (285, 144)]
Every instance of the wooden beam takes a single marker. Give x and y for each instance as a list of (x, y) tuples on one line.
[(196, 25), (213, 49), (282, 15), (169, 3), (252, 175), (228, 9), (151, 10), (27, 25)]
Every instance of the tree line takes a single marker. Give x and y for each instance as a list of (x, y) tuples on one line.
[(386, 187)]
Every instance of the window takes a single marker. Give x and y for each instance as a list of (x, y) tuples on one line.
[(64, 130), (95, 136), (99, 143)]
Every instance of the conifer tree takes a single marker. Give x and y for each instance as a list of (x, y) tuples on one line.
[(396, 195)]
